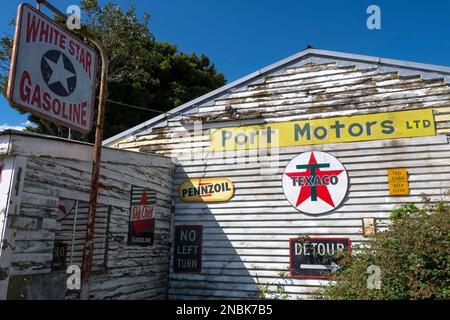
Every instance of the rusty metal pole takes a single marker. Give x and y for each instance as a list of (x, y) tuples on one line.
[(51, 7), (89, 243)]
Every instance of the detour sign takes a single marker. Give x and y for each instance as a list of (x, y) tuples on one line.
[(316, 257), (52, 72)]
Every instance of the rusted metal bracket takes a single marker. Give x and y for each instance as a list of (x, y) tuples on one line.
[(3, 274), (88, 251)]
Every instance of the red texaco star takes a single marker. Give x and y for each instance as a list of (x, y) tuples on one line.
[(321, 190)]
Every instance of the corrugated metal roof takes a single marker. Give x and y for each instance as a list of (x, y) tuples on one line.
[(41, 150), (39, 135), (382, 62)]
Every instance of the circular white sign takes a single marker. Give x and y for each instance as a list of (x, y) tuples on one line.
[(315, 182)]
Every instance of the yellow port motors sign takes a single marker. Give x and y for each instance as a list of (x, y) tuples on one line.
[(378, 126), (206, 190)]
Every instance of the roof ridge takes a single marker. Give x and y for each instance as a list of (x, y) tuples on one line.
[(445, 71)]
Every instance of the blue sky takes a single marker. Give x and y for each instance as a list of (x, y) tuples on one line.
[(241, 36)]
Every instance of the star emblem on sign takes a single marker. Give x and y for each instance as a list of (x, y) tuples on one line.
[(59, 73), (315, 186)]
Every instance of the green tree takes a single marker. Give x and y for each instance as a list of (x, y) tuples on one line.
[(142, 71), (413, 255)]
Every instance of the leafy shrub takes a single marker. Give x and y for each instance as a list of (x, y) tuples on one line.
[(413, 255)]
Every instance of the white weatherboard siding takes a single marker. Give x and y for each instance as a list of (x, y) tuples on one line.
[(57, 168), (6, 177), (245, 240), (248, 236)]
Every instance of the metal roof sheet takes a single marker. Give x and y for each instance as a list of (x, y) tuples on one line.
[(413, 66)]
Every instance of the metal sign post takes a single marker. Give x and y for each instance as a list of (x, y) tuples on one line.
[(64, 89), (88, 251)]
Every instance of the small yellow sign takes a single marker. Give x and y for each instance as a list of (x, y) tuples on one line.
[(206, 190), (398, 182), (377, 126)]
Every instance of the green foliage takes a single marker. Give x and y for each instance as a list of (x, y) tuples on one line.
[(6, 44), (413, 255), (274, 290), (142, 71), (407, 210)]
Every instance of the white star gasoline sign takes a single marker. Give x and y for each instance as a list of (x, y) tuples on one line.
[(53, 73)]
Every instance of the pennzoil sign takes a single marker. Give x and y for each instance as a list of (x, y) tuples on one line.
[(52, 72), (206, 190)]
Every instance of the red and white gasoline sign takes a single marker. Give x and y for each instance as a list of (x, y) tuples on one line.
[(315, 182), (52, 72)]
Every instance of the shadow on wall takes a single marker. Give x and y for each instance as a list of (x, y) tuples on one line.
[(224, 273)]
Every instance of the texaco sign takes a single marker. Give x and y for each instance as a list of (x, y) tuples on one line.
[(315, 182), (52, 72)]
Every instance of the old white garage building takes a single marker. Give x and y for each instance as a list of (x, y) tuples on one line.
[(246, 239), (321, 145)]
